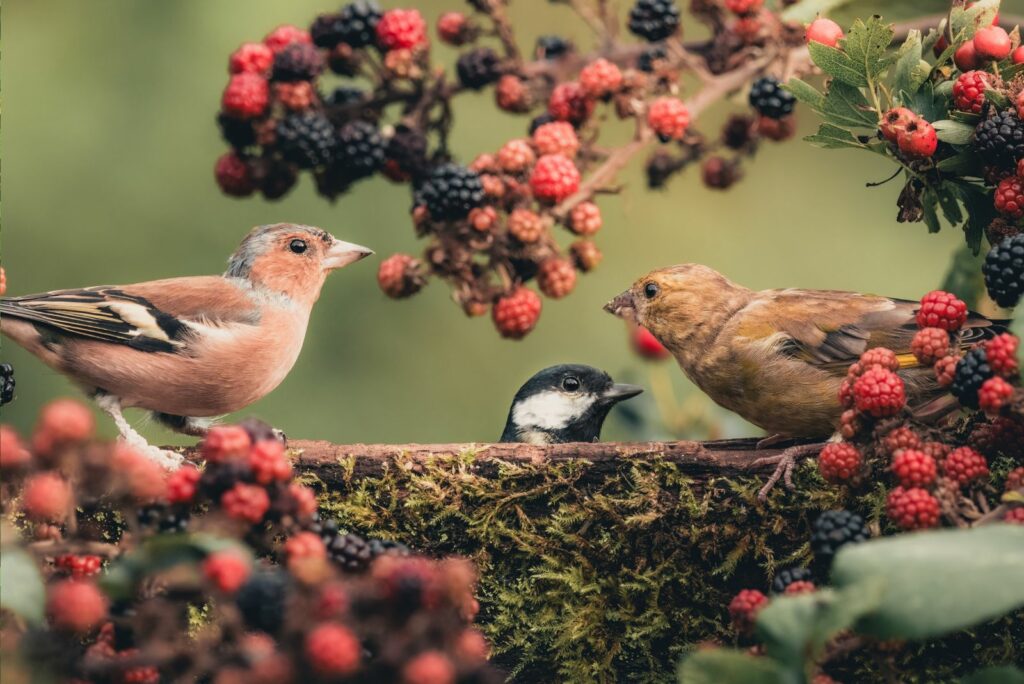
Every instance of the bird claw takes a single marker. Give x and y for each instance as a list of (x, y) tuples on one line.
[(170, 460), (785, 463)]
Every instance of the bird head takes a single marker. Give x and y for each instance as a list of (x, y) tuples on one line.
[(291, 259), (674, 302), (566, 403)]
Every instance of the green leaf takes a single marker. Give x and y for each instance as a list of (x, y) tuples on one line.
[(806, 93), (995, 675), (1000, 100), (965, 21), (834, 137), (795, 629), (847, 106), (867, 45), (964, 278), (806, 11), (906, 74), (837, 64), (953, 132), (718, 665), (23, 591), (947, 195), (937, 582), (980, 210), (927, 102), (1011, 72), (930, 214), (965, 163)]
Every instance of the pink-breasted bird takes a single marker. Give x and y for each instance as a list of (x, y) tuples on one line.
[(778, 357), (187, 349)]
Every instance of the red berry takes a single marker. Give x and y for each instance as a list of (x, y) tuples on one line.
[(332, 601), (585, 255), (226, 570), (969, 91), (400, 275), (647, 345), (401, 28), (744, 607), (585, 219), (600, 78), (1015, 515), (936, 450), (824, 31), (840, 462), (1001, 354), (743, 6), (941, 310), (1018, 55), (225, 442), (61, 422), (569, 102), (895, 122), (516, 314), (995, 393), (945, 370), (1015, 479), (296, 95), (13, 453), (246, 502), (965, 465), (557, 137), (992, 42), (246, 96), (878, 356), (304, 498), (879, 393), (482, 218), (966, 57), (146, 480), (333, 650), (431, 667), (749, 29), (668, 117), (512, 95), (471, 647), (525, 225), (849, 424), (556, 277), (451, 28), (554, 178), (912, 508), (918, 140), (901, 438), (285, 35), (929, 345), (233, 175), (182, 484), (75, 605), (268, 462), (255, 58), (914, 468), (305, 545), (46, 496), (799, 587), (515, 156), (79, 566), (846, 399), (1009, 197)]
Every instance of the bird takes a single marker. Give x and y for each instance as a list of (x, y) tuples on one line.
[(187, 349), (778, 357), (564, 403)]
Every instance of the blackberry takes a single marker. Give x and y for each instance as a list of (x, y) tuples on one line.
[(220, 477), (262, 599), (350, 552), (343, 96), (380, 547), (1000, 139), (274, 179), (326, 30), (737, 132), (654, 20), (355, 25), (6, 383), (784, 578), (540, 120), (552, 47), (645, 62), (238, 133), (407, 151), (297, 62), (971, 373), (360, 148), (450, 192), (769, 99), (1004, 271), (477, 68), (307, 139), (163, 518), (833, 530), (260, 431)]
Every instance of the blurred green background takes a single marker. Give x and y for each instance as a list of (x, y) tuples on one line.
[(108, 146)]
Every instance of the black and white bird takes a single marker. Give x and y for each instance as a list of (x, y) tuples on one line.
[(566, 403)]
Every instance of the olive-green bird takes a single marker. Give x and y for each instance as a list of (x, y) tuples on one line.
[(778, 357)]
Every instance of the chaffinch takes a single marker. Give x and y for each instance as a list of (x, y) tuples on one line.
[(191, 348)]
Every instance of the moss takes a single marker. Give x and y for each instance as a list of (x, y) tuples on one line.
[(612, 579)]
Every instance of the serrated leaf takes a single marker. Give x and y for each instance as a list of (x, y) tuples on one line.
[(948, 200), (929, 211), (867, 45), (23, 591), (964, 21), (927, 103), (838, 64), (995, 675), (834, 137), (806, 93), (953, 132), (847, 106), (805, 11), (718, 665), (905, 76)]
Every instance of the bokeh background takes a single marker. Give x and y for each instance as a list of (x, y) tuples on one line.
[(109, 141)]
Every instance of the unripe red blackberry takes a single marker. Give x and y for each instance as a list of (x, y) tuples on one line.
[(912, 508), (969, 91), (719, 174), (255, 58), (964, 466), (824, 31), (453, 28), (914, 468), (600, 78), (743, 6), (557, 137), (744, 607), (333, 650), (569, 102), (1009, 197), (945, 370), (182, 484), (516, 314), (899, 439), (879, 393), (585, 219), (246, 96), (525, 225), (233, 175), (992, 42), (401, 275), (840, 462), (556, 277), (401, 28), (512, 95), (1014, 515), (46, 496), (429, 667), (483, 218), (586, 255), (1014, 479), (877, 356), (246, 502), (930, 344), (226, 570), (1001, 353), (941, 310), (995, 393), (669, 118), (75, 605), (849, 424), (13, 454), (295, 96), (515, 156), (554, 178)]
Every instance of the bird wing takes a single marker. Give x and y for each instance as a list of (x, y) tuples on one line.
[(152, 317)]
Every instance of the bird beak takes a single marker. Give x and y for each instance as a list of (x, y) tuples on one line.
[(622, 306), (620, 392), (343, 253)]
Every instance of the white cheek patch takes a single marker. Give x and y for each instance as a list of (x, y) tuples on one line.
[(551, 410)]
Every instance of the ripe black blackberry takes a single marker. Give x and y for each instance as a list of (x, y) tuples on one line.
[(343, 96), (1000, 139), (6, 383), (971, 373), (654, 20), (648, 58), (1004, 271), (238, 133), (218, 478), (355, 25), (262, 599), (833, 530), (297, 62), (783, 578), (274, 178), (307, 139), (552, 47), (163, 518), (477, 68), (360, 148), (769, 99), (450, 192), (406, 149), (379, 547), (350, 552)]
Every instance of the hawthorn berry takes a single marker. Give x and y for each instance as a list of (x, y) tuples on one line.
[(840, 462), (75, 605), (557, 137), (879, 393), (969, 91), (914, 468), (1009, 197), (554, 178), (46, 496), (585, 219), (669, 118), (941, 310), (964, 466), (918, 140), (824, 31), (600, 78), (994, 394), (401, 29), (516, 314), (894, 122), (333, 650), (966, 57), (1018, 56), (226, 570), (930, 344), (992, 42), (912, 508), (744, 607)]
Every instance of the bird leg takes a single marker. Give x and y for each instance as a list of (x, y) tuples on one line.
[(111, 405), (784, 464), (186, 425)]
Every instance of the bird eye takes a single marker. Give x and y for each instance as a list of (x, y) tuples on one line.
[(571, 384), (297, 246), (650, 290)]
